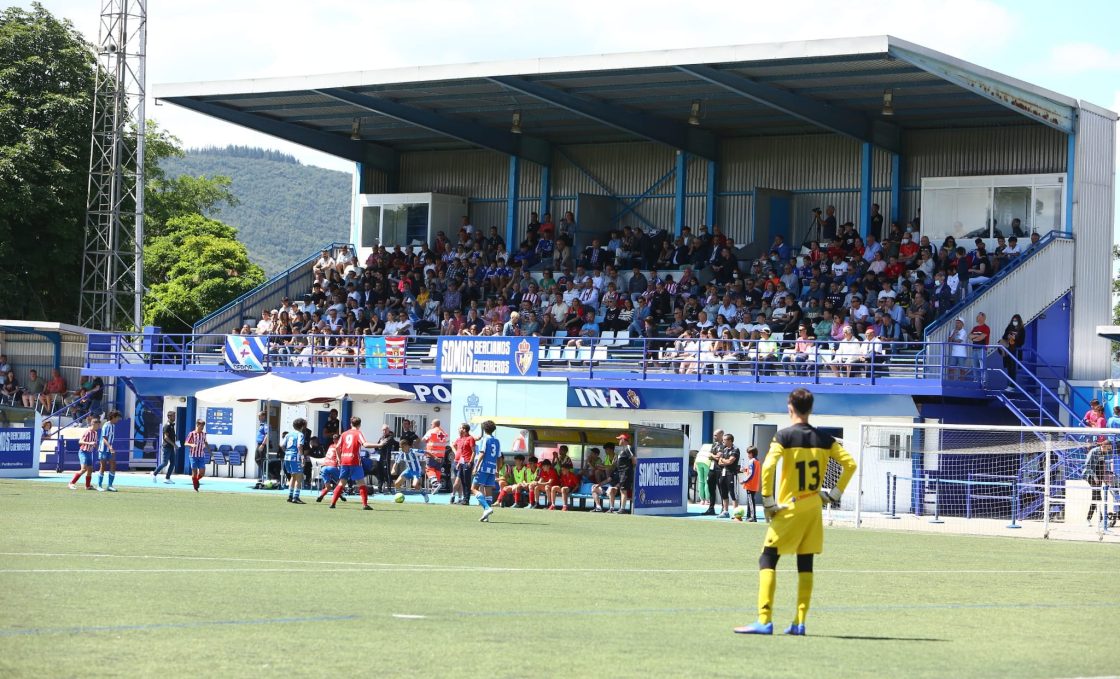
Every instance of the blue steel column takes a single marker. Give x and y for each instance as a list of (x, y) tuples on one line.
[(1071, 166), (546, 191), (511, 200), (345, 412), (895, 214), (864, 188), (711, 207), (680, 186)]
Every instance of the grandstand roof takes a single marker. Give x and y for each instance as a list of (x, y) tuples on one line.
[(835, 85)]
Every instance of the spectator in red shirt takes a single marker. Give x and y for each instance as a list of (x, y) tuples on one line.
[(980, 335), (569, 483), (546, 480), (464, 454)]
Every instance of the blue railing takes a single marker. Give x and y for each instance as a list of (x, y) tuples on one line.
[(609, 356), (1007, 269), (297, 278)]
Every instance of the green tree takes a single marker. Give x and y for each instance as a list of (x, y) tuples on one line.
[(46, 94), (195, 267)]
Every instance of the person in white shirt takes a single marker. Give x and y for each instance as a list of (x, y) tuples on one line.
[(858, 312), (397, 325), (325, 261), (727, 308), (872, 350), (848, 351), (570, 293), (589, 296), (958, 352), (333, 320), (264, 326)]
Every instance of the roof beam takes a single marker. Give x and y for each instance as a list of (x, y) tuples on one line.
[(374, 155), (523, 146), (1002, 90), (839, 120), (679, 136)]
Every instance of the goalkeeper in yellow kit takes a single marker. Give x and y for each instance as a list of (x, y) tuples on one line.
[(795, 517)]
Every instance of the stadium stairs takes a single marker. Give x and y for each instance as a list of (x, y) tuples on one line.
[(293, 283), (1028, 286)]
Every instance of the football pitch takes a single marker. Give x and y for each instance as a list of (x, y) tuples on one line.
[(154, 581)]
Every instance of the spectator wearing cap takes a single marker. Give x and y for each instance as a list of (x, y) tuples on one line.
[(624, 466)]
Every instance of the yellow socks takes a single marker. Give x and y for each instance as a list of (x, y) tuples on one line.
[(804, 594), (766, 584)]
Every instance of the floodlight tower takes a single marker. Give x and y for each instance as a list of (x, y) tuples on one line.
[(112, 263)]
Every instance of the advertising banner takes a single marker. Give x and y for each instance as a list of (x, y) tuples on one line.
[(660, 483), (246, 353), (487, 356)]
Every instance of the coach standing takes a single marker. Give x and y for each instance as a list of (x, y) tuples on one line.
[(728, 465), (713, 471)]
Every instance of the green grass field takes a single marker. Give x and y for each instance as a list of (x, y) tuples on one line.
[(152, 581)]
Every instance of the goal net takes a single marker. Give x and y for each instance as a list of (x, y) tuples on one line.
[(1040, 481)]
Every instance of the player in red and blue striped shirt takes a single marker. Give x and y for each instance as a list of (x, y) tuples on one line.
[(196, 449), (86, 446)]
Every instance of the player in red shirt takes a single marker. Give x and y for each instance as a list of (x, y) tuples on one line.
[(546, 480), (569, 483), (350, 446), (465, 447)]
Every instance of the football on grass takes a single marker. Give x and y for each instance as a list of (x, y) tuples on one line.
[(399, 497)]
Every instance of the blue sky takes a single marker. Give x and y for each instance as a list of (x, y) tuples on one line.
[(1067, 47)]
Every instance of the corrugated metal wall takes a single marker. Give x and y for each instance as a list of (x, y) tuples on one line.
[(1026, 149), (821, 169), (1093, 220), (27, 351)]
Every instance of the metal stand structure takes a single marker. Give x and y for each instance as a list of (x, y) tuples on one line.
[(112, 263)]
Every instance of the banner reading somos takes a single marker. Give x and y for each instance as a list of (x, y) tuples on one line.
[(489, 356)]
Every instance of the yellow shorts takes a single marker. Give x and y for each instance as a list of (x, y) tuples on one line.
[(797, 530)]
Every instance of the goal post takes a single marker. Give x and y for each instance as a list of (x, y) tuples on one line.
[(1056, 482)]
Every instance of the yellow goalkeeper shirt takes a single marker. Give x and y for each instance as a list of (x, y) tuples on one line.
[(804, 452)]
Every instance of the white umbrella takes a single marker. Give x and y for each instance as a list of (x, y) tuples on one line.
[(342, 386), (266, 387)]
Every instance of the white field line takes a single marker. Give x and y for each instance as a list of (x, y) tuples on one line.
[(359, 566)]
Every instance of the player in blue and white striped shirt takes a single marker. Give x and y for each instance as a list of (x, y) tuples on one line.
[(295, 445), (105, 455), (486, 468)]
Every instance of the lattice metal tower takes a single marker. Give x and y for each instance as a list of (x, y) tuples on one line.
[(112, 265)]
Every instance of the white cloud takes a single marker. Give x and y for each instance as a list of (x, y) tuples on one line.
[(1080, 57)]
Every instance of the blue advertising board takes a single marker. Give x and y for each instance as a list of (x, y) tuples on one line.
[(659, 483), (219, 421), (17, 449), (487, 356)]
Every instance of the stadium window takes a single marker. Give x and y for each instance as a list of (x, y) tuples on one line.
[(396, 422), (897, 447)]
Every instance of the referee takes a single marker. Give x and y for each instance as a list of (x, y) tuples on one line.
[(728, 469)]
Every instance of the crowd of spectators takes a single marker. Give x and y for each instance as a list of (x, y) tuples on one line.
[(855, 296)]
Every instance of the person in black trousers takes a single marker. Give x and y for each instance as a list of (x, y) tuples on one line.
[(713, 472), (1013, 339), (168, 446), (728, 472), (385, 446)]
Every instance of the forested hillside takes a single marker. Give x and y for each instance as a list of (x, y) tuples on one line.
[(285, 209)]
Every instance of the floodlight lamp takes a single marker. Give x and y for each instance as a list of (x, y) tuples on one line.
[(694, 113), (515, 126), (356, 129), (888, 103)]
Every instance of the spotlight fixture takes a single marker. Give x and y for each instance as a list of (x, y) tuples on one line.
[(356, 129), (888, 103), (515, 126), (694, 113)]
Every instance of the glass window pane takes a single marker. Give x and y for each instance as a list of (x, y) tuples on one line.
[(1047, 213), (1013, 203), (371, 226), (961, 213)]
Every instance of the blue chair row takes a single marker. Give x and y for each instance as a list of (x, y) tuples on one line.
[(230, 456)]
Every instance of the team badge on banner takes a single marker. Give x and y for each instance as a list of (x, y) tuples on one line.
[(472, 410), (246, 354), (394, 351), (523, 359)]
